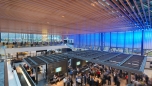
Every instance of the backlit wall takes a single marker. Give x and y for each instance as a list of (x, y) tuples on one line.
[(130, 40)]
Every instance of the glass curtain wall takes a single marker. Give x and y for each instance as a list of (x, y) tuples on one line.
[(106, 41), (147, 42), (4, 37), (22, 37), (128, 42), (121, 41)]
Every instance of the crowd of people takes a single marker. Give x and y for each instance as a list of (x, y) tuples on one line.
[(100, 75)]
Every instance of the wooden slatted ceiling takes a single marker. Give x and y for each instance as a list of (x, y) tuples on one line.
[(73, 16)]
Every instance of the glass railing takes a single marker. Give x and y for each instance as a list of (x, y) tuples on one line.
[(3, 67), (19, 45)]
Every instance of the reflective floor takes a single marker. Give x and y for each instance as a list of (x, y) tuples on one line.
[(122, 81), (148, 72), (1, 73)]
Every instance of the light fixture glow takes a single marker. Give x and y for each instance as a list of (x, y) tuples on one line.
[(93, 4)]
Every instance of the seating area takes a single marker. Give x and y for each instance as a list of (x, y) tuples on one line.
[(29, 44), (58, 78)]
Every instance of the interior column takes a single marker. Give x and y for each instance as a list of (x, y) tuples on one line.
[(36, 75), (129, 78)]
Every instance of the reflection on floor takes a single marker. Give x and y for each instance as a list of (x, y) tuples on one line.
[(43, 83), (2, 74), (148, 72), (122, 81)]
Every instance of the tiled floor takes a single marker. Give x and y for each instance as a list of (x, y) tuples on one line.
[(148, 72), (61, 84), (122, 81), (42, 82)]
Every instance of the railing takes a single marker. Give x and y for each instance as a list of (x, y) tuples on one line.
[(10, 45), (4, 57), (5, 74), (17, 78), (27, 76)]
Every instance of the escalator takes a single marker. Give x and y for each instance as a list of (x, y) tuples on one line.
[(24, 77), (21, 77)]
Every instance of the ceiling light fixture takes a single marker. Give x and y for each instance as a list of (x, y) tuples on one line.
[(93, 4), (62, 16)]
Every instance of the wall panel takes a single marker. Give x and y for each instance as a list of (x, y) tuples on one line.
[(107, 39), (137, 39), (120, 40), (148, 39), (113, 39), (97, 39), (129, 39)]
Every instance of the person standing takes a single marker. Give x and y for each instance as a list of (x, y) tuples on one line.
[(84, 79), (146, 79), (68, 82), (90, 81), (109, 80), (71, 81), (64, 81), (126, 79), (103, 81), (115, 79), (118, 82)]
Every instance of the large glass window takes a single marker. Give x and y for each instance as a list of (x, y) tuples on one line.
[(97, 39), (59, 38), (84, 40), (129, 39), (18, 37), (92, 39), (107, 39), (128, 42), (11, 37), (148, 42), (113, 39), (120, 40), (148, 39), (137, 39), (76, 44), (137, 42), (81, 40), (88, 39), (4, 37)]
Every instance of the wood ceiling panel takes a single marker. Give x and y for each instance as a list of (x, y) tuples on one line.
[(73, 16)]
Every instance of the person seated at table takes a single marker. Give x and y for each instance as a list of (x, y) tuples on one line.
[(55, 79)]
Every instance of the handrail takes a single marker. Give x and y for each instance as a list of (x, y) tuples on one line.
[(27, 75), (5, 73), (5, 70), (17, 79)]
